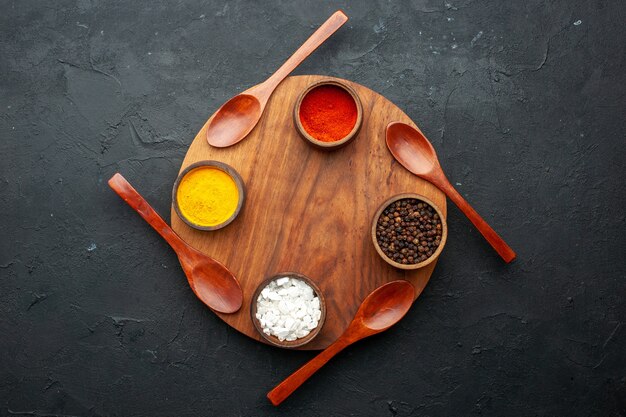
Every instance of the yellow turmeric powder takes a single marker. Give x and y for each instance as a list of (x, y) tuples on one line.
[(207, 196)]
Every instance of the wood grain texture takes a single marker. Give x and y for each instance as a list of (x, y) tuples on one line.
[(308, 210)]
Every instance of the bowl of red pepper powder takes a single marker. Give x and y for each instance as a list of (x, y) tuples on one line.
[(328, 114)]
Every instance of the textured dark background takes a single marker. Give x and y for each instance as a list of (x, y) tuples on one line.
[(524, 102)]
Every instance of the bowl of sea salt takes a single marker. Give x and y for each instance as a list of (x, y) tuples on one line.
[(288, 310)]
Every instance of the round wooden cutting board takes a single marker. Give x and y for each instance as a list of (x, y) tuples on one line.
[(309, 211)]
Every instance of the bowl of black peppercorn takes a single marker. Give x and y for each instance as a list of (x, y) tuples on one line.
[(409, 231)]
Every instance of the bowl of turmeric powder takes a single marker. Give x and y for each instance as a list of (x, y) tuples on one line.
[(208, 195), (328, 114)]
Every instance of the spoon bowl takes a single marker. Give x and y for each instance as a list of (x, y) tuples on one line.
[(211, 281), (380, 310), (410, 147), (386, 306), (236, 118)]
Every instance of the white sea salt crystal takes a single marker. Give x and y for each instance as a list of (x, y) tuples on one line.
[(288, 308), (282, 281), (289, 323), (282, 307), (273, 296)]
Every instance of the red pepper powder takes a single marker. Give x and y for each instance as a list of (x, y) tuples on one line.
[(328, 113)]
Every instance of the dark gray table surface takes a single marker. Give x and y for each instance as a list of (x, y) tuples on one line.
[(524, 102)]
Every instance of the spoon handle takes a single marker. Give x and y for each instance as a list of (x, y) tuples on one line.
[(488, 233), (123, 188), (293, 381), (318, 37)]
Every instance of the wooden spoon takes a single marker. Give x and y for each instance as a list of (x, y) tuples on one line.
[(411, 148), (211, 281), (380, 310), (237, 117)]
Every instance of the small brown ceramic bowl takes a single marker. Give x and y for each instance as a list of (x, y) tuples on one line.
[(444, 231), (338, 143), (273, 339), (222, 167)]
